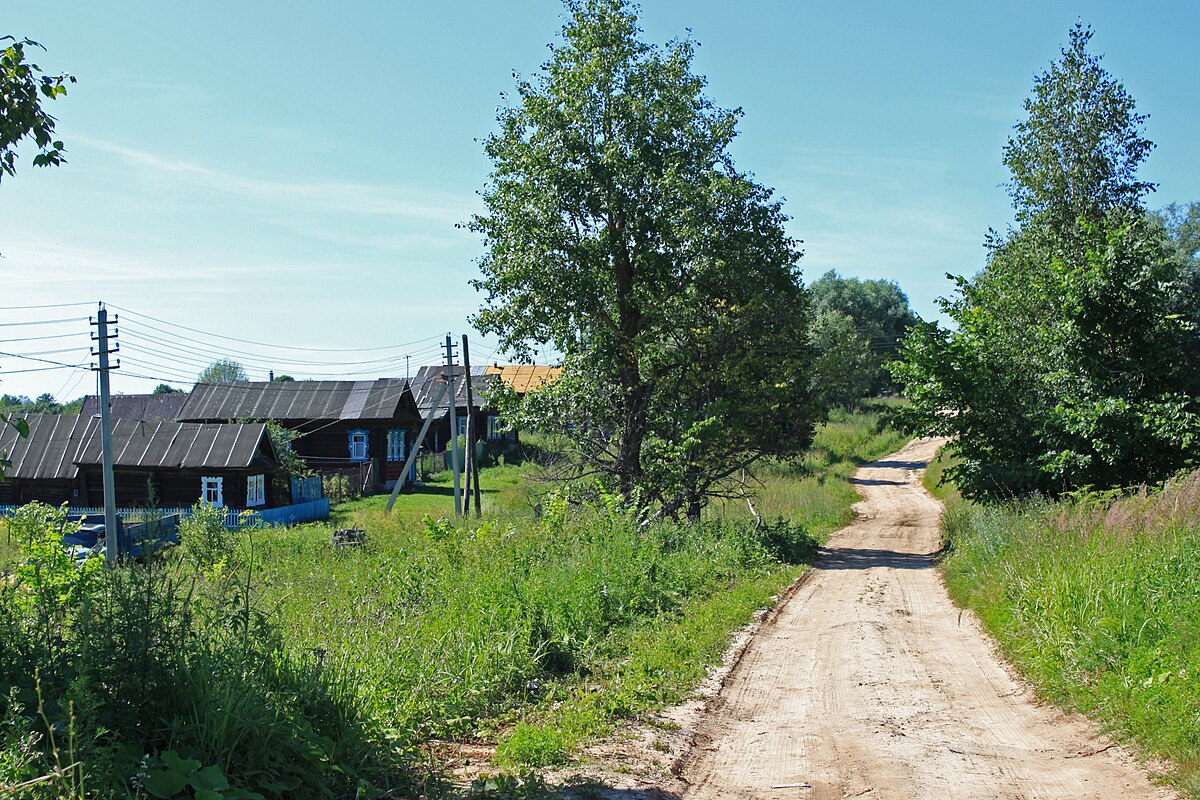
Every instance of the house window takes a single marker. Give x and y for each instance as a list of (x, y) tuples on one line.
[(358, 445), (395, 448), (210, 492), (462, 425), (495, 428), (256, 491)]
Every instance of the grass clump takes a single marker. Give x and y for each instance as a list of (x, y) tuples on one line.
[(1097, 600), (118, 679)]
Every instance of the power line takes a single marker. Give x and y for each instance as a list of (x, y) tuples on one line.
[(267, 344), (47, 305), (43, 322), (40, 338)]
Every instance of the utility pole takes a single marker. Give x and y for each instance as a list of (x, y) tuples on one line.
[(453, 396), (101, 337), (472, 462)]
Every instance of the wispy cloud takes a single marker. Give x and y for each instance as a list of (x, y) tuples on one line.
[(418, 205)]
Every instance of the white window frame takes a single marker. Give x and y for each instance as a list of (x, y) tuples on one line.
[(396, 444), (256, 490), (210, 488), (494, 423), (462, 425), (359, 445)]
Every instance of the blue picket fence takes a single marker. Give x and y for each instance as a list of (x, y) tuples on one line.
[(284, 515)]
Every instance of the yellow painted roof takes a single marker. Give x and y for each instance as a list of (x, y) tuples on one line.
[(525, 378)]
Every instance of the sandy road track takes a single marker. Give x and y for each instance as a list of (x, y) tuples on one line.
[(870, 683)]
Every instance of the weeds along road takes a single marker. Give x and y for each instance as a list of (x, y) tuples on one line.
[(869, 683)]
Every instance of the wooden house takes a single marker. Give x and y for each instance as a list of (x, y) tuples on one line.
[(228, 465), (366, 427), (487, 423), (141, 407)]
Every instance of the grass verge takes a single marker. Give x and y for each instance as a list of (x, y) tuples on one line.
[(1097, 601)]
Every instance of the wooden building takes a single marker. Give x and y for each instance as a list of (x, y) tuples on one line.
[(366, 426), (141, 407), (228, 465), (487, 421)]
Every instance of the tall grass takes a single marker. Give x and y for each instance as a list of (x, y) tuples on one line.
[(1097, 601)]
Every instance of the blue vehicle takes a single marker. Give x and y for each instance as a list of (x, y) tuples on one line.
[(134, 541)]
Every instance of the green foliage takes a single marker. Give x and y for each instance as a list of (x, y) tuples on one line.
[(879, 317), (291, 465), (1077, 152), (24, 87), (338, 488), (205, 540), (166, 388), (619, 231), (1097, 601), (158, 678), (532, 745), (845, 368), (1069, 366), (223, 370)]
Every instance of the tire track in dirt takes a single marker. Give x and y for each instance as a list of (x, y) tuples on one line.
[(868, 682)]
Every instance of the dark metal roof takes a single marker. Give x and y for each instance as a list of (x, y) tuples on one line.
[(295, 401), (48, 453), (182, 445), (57, 444), (144, 407), (425, 387)]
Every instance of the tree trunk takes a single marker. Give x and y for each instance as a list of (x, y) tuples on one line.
[(635, 391)]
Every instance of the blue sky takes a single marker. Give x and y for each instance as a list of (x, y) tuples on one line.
[(291, 173)]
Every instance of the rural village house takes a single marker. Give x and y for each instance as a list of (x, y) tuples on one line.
[(361, 428), (228, 465)]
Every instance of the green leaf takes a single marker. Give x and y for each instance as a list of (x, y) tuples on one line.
[(165, 783), (208, 794), (210, 778), (184, 766)]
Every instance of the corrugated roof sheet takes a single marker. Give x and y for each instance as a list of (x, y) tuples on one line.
[(525, 377), (179, 445), (425, 386), (48, 453), (58, 443), (144, 407), (294, 401)]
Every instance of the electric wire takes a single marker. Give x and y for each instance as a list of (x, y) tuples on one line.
[(47, 305), (43, 322), (266, 344)]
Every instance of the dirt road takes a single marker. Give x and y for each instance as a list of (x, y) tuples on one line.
[(870, 683)]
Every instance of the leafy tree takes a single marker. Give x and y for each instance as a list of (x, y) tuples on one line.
[(1068, 366), (166, 388), (223, 370), (1077, 152), (1182, 226), (619, 231), (284, 378), (291, 465), (845, 368), (878, 311), (23, 89)]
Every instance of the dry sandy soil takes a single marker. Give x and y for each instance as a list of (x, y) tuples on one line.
[(866, 681)]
